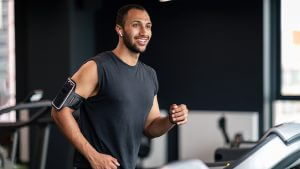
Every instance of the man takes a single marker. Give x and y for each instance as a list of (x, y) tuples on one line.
[(119, 95)]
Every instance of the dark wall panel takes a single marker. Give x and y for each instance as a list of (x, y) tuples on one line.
[(43, 62), (207, 55)]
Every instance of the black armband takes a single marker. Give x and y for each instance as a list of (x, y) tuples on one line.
[(67, 97)]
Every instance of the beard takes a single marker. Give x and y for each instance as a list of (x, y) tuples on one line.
[(130, 45)]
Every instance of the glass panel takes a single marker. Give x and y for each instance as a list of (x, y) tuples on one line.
[(7, 58), (290, 47), (286, 111)]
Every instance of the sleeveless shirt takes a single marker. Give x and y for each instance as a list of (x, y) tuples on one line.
[(113, 120)]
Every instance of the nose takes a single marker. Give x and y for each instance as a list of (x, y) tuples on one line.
[(144, 30)]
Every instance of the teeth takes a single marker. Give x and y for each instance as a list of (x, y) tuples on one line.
[(142, 40)]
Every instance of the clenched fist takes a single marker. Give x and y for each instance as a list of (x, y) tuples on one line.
[(178, 114)]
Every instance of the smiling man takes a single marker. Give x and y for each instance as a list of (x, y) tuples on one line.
[(117, 97)]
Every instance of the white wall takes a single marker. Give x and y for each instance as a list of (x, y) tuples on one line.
[(158, 153), (200, 137)]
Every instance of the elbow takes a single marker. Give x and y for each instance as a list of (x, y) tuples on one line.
[(148, 134), (151, 137)]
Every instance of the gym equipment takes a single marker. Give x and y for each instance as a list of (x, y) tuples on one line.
[(4, 163), (234, 151), (188, 164), (144, 151), (12, 128), (279, 148)]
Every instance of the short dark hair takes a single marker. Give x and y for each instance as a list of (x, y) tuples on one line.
[(123, 11)]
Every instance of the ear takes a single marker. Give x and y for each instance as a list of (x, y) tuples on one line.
[(119, 30)]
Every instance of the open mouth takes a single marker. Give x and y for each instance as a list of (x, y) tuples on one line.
[(142, 41)]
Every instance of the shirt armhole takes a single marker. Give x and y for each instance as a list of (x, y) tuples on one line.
[(155, 82), (100, 78)]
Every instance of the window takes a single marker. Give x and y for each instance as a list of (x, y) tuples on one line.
[(286, 111), (290, 48), (286, 104), (7, 58)]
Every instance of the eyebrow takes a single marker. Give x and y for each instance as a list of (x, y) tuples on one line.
[(140, 22)]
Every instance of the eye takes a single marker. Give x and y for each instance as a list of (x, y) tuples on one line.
[(135, 25), (149, 26)]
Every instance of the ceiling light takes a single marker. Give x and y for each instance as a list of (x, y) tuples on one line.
[(164, 0)]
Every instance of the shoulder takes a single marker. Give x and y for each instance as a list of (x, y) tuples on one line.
[(87, 71), (152, 74), (88, 67), (86, 79), (148, 68), (102, 57)]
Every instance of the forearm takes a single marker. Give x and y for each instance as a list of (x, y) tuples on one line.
[(158, 127), (69, 127)]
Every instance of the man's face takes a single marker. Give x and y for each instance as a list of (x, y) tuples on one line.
[(137, 30)]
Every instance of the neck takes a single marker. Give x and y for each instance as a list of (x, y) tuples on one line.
[(127, 56)]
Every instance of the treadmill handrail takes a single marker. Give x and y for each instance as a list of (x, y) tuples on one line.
[(38, 104), (287, 132), (18, 124)]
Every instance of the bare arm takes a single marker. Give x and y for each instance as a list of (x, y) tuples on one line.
[(86, 79), (67, 124), (156, 125)]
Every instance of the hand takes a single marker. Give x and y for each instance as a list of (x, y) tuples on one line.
[(103, 161), (178, 114)]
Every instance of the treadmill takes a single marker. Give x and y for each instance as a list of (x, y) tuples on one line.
[(8, 129), (279, 148)]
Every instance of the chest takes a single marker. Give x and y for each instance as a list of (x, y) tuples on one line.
[(131, 88)]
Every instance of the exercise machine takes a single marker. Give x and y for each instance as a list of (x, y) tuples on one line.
[(10, 130), (235, 147), (279, 148)]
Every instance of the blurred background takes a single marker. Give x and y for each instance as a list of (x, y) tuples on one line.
[(236, 60)]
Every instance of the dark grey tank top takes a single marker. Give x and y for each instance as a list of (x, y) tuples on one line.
[(113, 120)]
